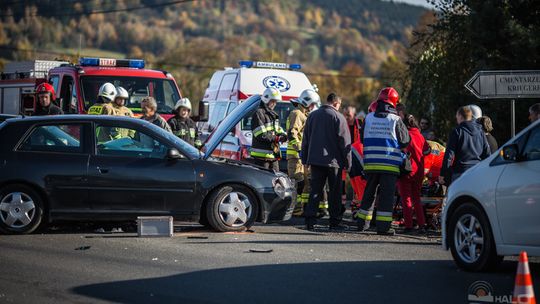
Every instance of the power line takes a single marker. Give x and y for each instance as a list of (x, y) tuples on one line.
[(182, 65), (106, 11)]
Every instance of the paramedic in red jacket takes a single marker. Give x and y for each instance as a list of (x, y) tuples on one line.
[(410, 185)]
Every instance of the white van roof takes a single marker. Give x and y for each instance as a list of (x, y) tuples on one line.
[(240, 83)]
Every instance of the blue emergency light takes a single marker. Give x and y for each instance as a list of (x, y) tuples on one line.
[(126, 63), (271, 65)]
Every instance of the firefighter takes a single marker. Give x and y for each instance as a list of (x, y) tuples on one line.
[(46, 97), (308, 100), (103, 106), (267, 132), (182, 125), (384, 136), (150, 114), (120, 103)]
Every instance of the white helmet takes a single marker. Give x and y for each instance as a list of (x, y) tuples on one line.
[(476, 111), (122, 93), (271, 94), (184, 102), (107, 91), (308, 97)]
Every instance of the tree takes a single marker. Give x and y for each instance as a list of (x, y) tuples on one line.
[(468, 36)]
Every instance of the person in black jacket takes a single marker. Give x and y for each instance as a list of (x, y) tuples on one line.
[(326, 149), (267, 132), (182, 125), (46, 97), (467, 146), (487, 127)]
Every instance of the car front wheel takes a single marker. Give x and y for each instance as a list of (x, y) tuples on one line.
[(21, 209), (471, 240), (231, 208)]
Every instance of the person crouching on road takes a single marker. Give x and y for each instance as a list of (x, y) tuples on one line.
[(120, 103), (267, 132), (410, 185), (307, 102), (182, 125), (107, 94), (384, 136), (326, 149), (149, 110), (46, 97)]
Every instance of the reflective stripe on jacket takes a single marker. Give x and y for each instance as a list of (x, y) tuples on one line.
[(382, 151)]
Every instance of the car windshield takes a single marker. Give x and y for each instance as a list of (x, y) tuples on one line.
[(163, 90), (282, 109), (186, 148)]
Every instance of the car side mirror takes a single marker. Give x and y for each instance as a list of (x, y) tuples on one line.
[(203, 111), (510, 152), (173, 154)]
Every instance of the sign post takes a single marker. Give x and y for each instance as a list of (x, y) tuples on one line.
[(506, 85)]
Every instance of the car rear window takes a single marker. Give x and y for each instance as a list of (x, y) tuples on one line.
[(62, 138)]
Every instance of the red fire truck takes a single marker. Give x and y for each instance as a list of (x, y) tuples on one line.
[(77, 85)]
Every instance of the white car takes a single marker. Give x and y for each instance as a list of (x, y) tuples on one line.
[(493, 209)]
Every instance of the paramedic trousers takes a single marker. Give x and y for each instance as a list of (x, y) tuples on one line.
[(387, 188), (319, 176), (409, 188)]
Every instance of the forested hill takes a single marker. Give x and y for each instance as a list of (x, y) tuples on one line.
[(318, 33)]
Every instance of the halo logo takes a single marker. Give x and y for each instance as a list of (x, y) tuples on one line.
[(277, 82), (482, 292)]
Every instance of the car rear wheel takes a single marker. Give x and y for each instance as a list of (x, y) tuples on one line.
[(231, 208), (472, 244), (21, 209)]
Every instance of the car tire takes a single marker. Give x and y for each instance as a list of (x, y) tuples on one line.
[(21, 209), (471, 239), (231, 208)]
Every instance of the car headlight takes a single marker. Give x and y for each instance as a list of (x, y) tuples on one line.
[(282, 186)]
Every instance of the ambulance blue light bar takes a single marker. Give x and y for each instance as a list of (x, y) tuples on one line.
[(270, 65), (107, 62)]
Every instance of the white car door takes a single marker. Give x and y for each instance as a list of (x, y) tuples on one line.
[(518, 195)]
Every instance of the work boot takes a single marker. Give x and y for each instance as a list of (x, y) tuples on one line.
[(322, 213), (298, 210), (389, 232)]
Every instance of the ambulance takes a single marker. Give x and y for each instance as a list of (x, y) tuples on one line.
[(231, 86)]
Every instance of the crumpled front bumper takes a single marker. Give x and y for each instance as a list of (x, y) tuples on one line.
[(275, 208)]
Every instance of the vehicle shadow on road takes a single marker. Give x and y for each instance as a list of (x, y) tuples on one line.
[(319, 282)]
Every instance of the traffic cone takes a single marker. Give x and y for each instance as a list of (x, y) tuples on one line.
[(523, 291)]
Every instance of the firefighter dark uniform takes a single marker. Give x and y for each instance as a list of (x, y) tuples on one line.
[(265, 148), (384, 136), (185, 129)]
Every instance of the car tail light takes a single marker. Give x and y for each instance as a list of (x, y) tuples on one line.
[(244, 153)]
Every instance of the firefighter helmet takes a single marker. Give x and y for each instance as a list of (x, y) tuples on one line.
[(183, 102), (122, 93), (46, 88), (107, 91), (308, 97), (271, 94), (389, 95), (372, 106), (476, 111)]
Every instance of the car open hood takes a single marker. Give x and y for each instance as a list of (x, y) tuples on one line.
[(228, 123)]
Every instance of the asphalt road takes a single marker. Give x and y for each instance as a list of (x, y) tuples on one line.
[(199, 266)]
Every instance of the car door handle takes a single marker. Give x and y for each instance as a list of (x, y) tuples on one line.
[(103, 170)]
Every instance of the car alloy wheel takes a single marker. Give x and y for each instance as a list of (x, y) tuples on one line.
[(17, 210), (235, 209), (469, 238)]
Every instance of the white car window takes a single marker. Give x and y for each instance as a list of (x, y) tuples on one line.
[(532, 148)]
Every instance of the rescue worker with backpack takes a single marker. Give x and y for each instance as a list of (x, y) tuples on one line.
[(46, 97), (384, 136), (267, 132), (106, 95), (306, 102), (182, 125)]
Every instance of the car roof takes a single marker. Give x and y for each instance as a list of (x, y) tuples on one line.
[(73, 117), (115, 71)]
